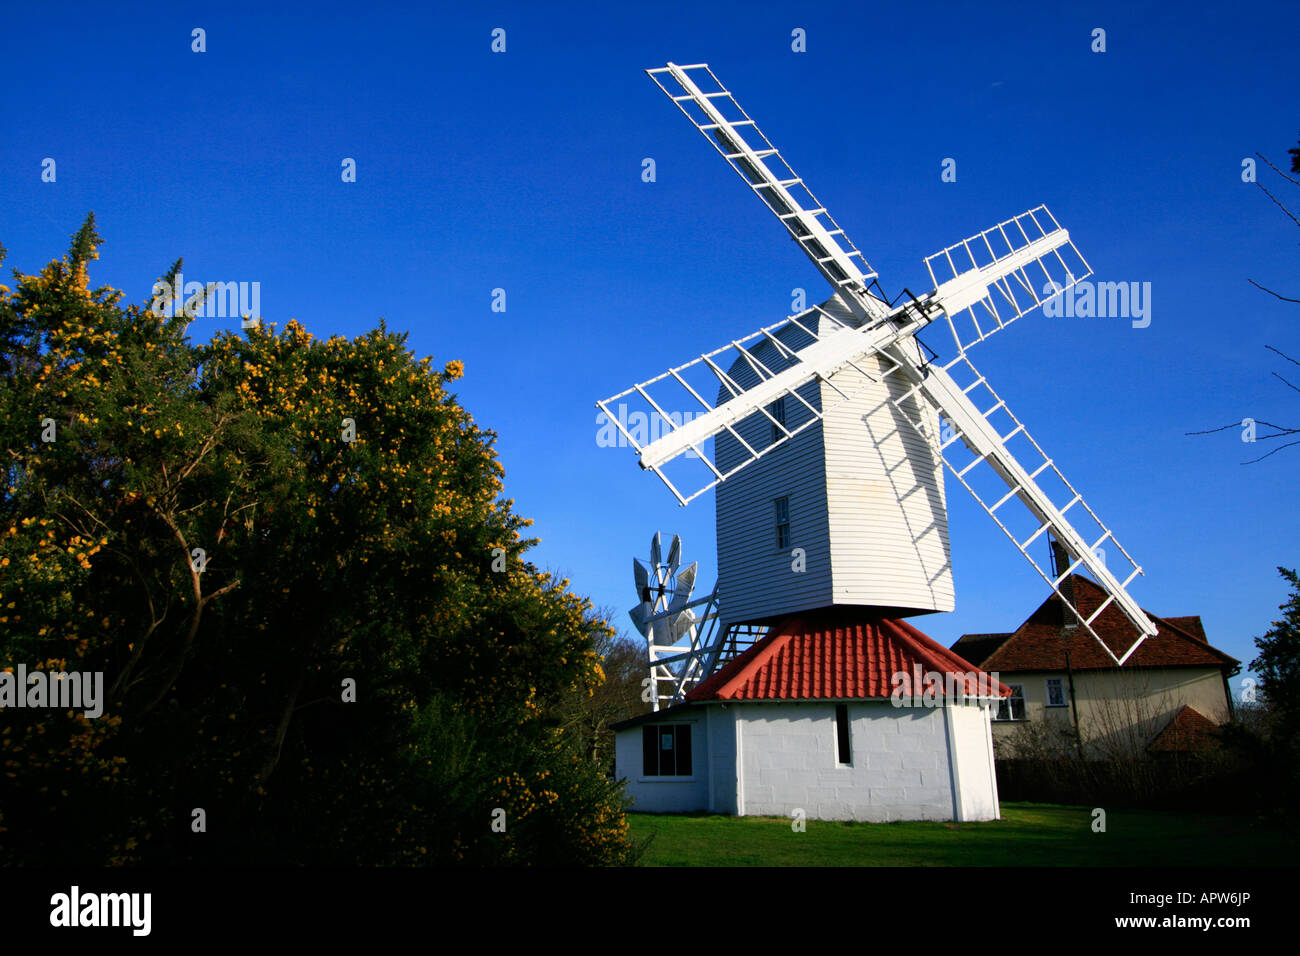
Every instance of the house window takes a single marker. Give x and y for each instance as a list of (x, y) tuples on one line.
[(843, 744), (1013, 707), (666, 750), (1056, 692), (783, 522), (777, 411)]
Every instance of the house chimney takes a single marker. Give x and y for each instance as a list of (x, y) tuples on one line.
[(1061, 561)]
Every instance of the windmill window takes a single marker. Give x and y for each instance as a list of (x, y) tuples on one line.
[(777, 411), (843, 744), (783, 522), (1056, 692), (1013, 707), (666, 750)]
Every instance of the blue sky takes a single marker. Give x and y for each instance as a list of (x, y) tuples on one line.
[(522, 170)]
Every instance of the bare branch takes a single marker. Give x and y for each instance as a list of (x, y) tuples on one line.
[(1285, 382), (197, 615), (1215, 430), (207, 447), (1281, 428), (155, 621), (74, 525), (225, 511), (195, 584), (1273, 452), (1276, 170), (1272, 293), (1280, 433), (1277, 203), (220, 591), (1283, 354), (90, 514), (282, 729)]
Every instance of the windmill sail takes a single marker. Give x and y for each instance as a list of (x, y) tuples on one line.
[(749, 375), (986, 282), (717, 115), (1015, 465)]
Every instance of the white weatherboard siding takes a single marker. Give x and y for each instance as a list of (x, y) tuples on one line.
[(755, 577), (899, 770), (888, 519), (866, 501)]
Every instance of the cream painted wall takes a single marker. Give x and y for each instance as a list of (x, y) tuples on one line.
[(1119, 710)]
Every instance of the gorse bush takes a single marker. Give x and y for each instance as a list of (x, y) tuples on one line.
[(323, 633)]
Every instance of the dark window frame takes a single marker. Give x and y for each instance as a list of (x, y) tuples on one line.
[(1047, 686), (1008, 705), (783, 535), (666, 750), (777, 411), (843, 736)]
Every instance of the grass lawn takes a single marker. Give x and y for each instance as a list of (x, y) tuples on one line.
[(1028, 834)]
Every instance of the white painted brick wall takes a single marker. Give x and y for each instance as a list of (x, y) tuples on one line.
[(975, 764), (899, 765), (663, 794), (920, 761)]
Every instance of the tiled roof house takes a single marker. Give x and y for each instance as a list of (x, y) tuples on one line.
[(1065, 684)]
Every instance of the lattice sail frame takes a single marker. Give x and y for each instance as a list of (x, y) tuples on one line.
[(993, 275), (685, 387), (715, 113)]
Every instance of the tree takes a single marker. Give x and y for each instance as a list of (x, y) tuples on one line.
[(1265, 733), (291, 560), (1249, 425), (620, 695), (1278, 663)]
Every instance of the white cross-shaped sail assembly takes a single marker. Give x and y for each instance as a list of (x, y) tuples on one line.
[(980, 285)]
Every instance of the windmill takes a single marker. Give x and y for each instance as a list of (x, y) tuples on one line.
[(862, 520)]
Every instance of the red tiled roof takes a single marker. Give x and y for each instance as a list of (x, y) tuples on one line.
[(1040, 643), (1192, 625), (834, 653), (1189, 730)]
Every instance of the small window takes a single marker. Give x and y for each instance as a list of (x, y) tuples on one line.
[(1055, 692), (783, 522), (777, 411), (843, 744), (1013, 707), (666, 750)]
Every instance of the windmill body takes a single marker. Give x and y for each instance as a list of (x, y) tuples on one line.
[(863, 495)]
